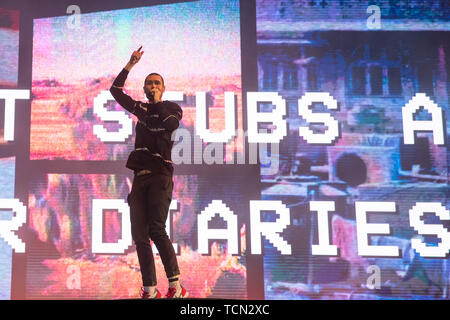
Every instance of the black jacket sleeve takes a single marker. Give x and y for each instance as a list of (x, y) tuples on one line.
[(133, 106), (170, 115)]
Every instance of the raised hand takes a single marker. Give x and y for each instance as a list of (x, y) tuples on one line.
[(135, 57)]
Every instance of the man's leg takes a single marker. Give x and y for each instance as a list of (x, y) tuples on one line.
[(159, 198), (137, 201)]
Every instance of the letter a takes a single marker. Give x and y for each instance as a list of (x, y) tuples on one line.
[(410, 126)]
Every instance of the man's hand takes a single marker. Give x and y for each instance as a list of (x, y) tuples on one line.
[(157, 95), (135, 57)]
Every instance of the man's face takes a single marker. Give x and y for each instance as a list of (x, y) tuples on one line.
[(154, 83)]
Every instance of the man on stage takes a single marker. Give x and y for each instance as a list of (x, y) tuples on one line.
[(151, 193)]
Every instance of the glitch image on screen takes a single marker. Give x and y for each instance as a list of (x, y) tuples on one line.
[(360, 188), (311, 162), (9, 35), (9, 39), (6, 252), (9, 62), (198, 47), (83, 245)]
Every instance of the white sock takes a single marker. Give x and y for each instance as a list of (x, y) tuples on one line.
[(150, 289), (175, 284)]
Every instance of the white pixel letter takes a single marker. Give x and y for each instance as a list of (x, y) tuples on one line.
[(270, 230), (10, 97), (324, 247), (98, 246), (330, 135), (275, 117), (410, 125), (172, 95), (106, 115), (230, 233), (200, 119), (415, 214), (363, 229), (8, 226)]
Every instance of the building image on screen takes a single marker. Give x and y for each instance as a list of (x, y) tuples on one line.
[(372, 72)]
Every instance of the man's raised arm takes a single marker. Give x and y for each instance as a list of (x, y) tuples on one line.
[(117, 87)]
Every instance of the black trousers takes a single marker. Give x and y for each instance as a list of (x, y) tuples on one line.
[(149, 203)]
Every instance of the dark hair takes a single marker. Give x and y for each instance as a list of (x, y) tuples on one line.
[(154, 74)]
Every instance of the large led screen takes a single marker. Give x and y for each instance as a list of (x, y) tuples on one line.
[(80, 223), (311, 162)]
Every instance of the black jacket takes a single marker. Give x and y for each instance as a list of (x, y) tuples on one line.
[(156, 122)]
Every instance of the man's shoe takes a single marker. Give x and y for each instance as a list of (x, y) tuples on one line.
[(172, 293), (147, 295)]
